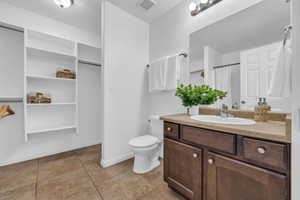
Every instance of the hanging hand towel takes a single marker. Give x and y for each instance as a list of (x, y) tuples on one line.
[(281, 81), (157, 73), (223, 82), (183, 70), (171, 75), (177, 72)]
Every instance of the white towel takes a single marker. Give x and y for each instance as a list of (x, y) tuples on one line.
[(157, 71), (172, 73), (177, 72), (183, 70), (223, 82), (281, 83)]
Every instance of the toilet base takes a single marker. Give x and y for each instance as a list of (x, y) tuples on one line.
[(138, 170)]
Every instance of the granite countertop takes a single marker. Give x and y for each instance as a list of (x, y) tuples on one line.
[(272, 130)]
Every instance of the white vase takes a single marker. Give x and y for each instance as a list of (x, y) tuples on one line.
[(194, 110)]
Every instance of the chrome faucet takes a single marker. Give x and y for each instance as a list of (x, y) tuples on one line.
[(235, 106), (224, 111)]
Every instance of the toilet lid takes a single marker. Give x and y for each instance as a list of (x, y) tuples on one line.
[(143, 141)]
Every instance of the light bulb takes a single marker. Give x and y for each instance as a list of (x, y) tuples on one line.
[(193, 6), (64, 3), (204, 1)]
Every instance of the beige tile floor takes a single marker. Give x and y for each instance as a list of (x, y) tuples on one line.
[(77, 175)]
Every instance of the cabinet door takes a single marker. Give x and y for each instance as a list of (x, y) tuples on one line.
[(183, 169), (229, 179)]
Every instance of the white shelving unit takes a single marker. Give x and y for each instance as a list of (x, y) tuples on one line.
[(62, 128), (51, 104), (44, 55), (49, 78)]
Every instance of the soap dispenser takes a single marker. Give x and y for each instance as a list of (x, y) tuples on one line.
[(261, 110)]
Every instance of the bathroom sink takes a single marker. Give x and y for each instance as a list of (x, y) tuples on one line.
[(222, 120)]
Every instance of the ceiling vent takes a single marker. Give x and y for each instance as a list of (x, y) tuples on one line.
[(146, 4)]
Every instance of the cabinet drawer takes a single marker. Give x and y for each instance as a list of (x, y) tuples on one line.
[(171, 130), (213, 139), (267, 153)]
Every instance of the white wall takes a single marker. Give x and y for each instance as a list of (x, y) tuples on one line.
[(13, 147), (296, 101), (126, 44), (11, 41), (89, 102), (169, 35)]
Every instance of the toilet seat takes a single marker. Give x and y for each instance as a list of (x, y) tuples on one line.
[(143, 141)]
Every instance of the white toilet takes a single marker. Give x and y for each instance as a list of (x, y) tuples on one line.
[(148, 148)]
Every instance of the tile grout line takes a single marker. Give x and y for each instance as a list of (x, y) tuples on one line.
[(37, 179), (90, 177)]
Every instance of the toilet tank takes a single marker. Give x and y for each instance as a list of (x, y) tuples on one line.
[(156, 126)]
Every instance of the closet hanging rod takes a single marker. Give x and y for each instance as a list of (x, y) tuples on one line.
[(228, 65), (181, 54), (11, 100), (12, 29), (197, 71), (89, 63)]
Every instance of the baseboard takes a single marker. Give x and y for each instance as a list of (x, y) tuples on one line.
[(37, 156), (116, 160)]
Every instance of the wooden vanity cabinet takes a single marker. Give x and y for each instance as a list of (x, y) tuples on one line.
[(228, 179), (183, 169), (240, 169)]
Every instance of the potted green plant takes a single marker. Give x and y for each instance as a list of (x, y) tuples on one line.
[(194, 95)]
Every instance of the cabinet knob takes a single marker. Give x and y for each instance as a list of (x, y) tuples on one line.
[(169, 129), (195, 155), (261, 150), (211, 161)]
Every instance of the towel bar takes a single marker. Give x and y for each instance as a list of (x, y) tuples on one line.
[(181, 54)]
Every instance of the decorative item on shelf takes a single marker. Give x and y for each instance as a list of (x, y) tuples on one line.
[(194, 95), (261, 110), (6, 111), (38, 97), (65, 73), (202, 74)]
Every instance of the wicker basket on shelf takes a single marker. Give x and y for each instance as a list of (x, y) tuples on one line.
[(66, 73), (38, 98)]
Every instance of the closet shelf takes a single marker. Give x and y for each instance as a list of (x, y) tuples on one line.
[(62, 128), (50, 104), (29, 48), (50, 78)]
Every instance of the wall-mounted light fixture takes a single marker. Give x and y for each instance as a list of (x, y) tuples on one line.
[(197, 8), (64, 3)]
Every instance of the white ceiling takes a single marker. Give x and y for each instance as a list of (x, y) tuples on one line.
[(84, 14), (161, 7), (256, 26)]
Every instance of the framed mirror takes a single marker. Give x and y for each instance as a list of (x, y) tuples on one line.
[(240, 55)]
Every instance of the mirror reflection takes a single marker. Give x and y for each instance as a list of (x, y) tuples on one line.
[(247, 55)]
